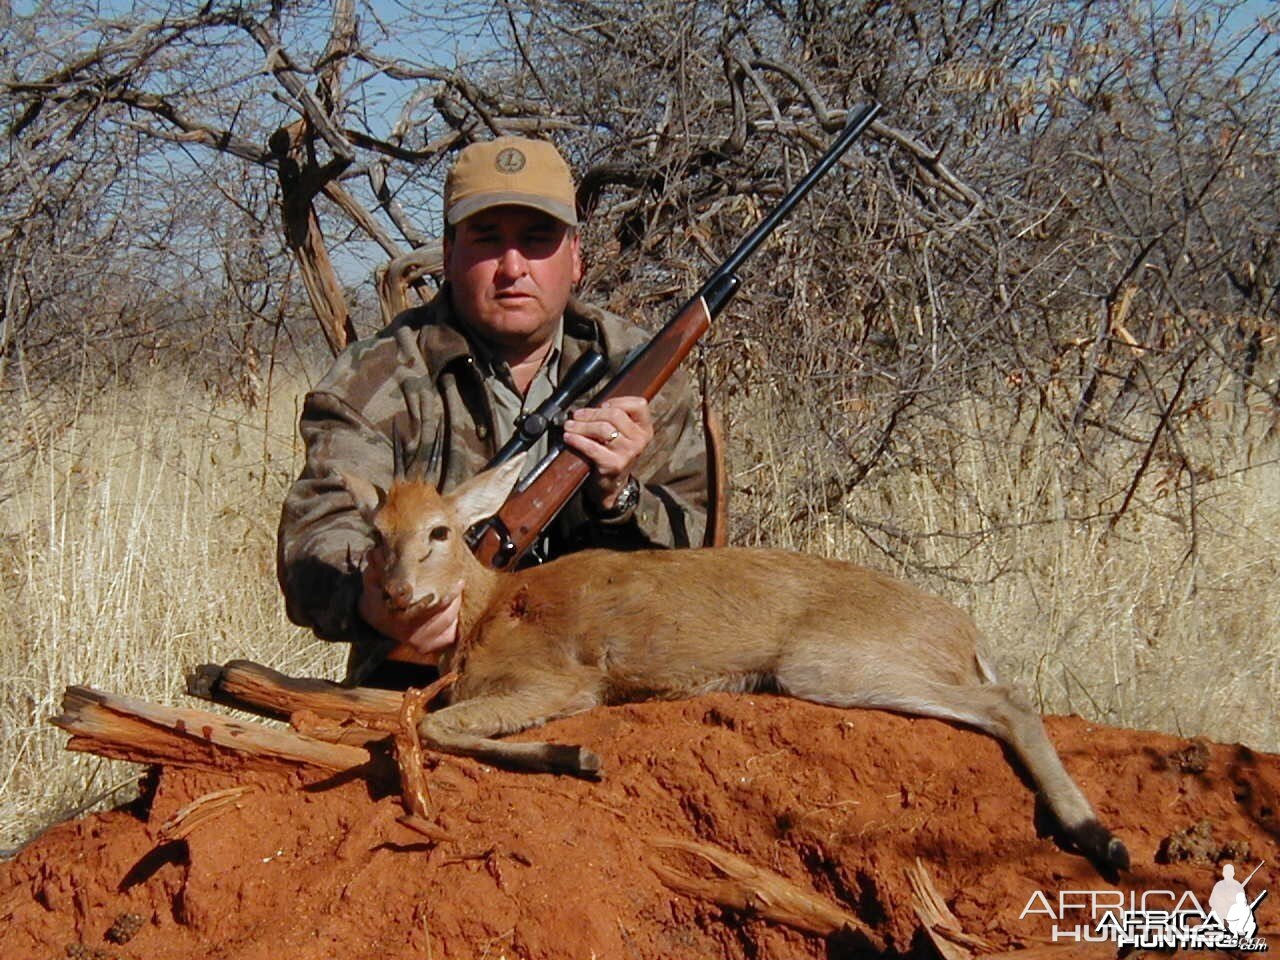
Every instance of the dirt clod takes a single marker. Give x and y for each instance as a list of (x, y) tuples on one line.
[(124, 927), (1193, 758), (1196, 844)]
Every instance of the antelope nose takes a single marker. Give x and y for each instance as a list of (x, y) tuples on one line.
[(398, 595)]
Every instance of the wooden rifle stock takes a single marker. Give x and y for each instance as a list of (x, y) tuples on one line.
[(500, 541)]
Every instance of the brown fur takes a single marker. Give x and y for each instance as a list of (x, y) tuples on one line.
[(603, 627)]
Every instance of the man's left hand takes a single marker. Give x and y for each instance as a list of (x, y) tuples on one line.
[(612, 436)]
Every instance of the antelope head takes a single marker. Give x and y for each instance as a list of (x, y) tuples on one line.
[(419, 549)]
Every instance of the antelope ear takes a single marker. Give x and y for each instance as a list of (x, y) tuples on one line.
[(483, 494), (368, 497)]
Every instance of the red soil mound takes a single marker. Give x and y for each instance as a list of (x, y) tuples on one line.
[(840, 802)]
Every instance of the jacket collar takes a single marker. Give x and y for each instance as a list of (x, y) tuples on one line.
[(582, 330)]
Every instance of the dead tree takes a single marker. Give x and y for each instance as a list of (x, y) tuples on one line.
[(1068, 210)]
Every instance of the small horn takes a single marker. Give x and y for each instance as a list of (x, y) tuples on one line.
[(397, 453), (419, 469), (432, 468)]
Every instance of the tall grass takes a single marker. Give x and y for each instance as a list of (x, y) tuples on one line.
[(138, 540), (138, 533)]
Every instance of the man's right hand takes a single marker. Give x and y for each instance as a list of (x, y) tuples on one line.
[(430, 631)]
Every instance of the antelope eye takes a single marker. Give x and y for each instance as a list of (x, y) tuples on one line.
[(439, 534)]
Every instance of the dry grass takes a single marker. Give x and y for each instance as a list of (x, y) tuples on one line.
[(138, 539)]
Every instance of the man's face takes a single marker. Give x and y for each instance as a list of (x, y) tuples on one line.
[(511, 270)]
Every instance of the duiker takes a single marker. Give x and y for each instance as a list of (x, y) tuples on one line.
[(601, 627)]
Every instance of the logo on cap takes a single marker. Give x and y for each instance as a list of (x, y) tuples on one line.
[(509, 160)]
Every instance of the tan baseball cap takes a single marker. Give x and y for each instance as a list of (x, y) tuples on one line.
[(510, 170)]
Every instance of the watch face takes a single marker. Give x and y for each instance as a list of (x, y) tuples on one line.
[(629, 496)]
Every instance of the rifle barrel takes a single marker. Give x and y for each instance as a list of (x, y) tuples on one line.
[(852, 130)]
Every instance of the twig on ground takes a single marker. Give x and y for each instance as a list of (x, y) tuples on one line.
[(759, 892)]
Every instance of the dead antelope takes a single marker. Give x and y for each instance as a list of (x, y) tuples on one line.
[(600, 627)]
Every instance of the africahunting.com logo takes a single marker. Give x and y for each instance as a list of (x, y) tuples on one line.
[(1156, 919)]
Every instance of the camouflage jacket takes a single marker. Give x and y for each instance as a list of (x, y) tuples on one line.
[(418, 372)]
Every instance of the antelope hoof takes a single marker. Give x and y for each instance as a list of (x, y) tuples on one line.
[(1102, 847), (577, 761), (589, 764)]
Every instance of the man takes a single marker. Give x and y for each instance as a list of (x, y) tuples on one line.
[(490, 346)]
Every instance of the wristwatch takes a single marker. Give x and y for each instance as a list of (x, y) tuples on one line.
[(622, 507)]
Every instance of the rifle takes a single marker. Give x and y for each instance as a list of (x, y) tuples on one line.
[(500, 541)]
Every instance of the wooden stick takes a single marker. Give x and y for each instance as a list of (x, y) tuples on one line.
[(760, 892), (940, 924), (125, 728), (202, 810), (413, 775), (426, 828), (310, 724), (248, 685)]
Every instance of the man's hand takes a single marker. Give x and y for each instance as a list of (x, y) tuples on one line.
[(612, 436), (430, 630)]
